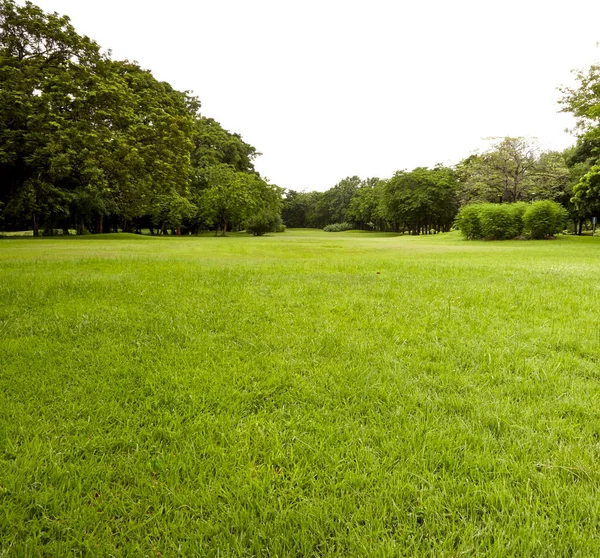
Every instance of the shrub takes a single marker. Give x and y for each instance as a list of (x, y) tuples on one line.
[(264, 222), (501, 221), (338, 227), (468, 223), (518, 210), (544, 219), (491, 221)]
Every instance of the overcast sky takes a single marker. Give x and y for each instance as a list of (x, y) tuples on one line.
[(327, 89)]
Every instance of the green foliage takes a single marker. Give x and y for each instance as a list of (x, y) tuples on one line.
[(491, 221), (518, 209), (264, 222), (512, 170), (586, 193), (468, 221), (231, 198), (365, 207), (584, 104), (499, 221), (214, 145), (85, 138), (171, 210), (351, 200), (338, 227), (420, 200), (544, 219)]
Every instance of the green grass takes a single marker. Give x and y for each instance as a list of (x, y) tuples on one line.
[(302, 394)]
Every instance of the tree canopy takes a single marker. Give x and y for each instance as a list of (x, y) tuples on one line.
[(584, 103), (86, 140)]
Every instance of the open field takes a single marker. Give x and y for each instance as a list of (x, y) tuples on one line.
[(302, 394)]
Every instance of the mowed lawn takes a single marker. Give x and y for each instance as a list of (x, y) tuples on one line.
[(299, 394)]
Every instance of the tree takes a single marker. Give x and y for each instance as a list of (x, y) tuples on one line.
[(364, 209), (339, 197), (584, 103), (420, 200), (263, 222), (586, 193), (43, 66), (214, 145), (85, 139), (513, 169), (232, 197)]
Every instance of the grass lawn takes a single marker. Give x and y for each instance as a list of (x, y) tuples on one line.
[(301, 394)]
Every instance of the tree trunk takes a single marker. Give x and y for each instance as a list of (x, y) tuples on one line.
[(36, 227), (99, 223)]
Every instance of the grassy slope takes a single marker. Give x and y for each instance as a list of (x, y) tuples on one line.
[(300, 394)]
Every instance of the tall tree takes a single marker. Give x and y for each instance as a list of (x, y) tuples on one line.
[(43, 69), (421, 200), (513, 169), (84, 137), (365, 208), (584, 103), (339, 197), (231, 197)]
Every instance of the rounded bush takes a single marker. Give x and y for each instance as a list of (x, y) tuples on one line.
[(338, 227), (468, 222), (264, 222), (544, 219), (518, 210), (499, 222)]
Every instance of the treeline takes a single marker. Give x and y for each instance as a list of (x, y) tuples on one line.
[(417, 202), (95, 144), (427, 200)]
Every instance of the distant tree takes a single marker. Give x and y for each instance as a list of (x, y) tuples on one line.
[(264, 221), (513, 169), (232, 197), (421, 200), (365, 208), (295, 209), (340, 196), (170, 211)]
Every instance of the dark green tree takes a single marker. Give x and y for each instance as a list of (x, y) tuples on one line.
[(421, 200), (85, 139), (364, 209)]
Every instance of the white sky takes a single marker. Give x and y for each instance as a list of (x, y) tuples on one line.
[(328, 89)]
